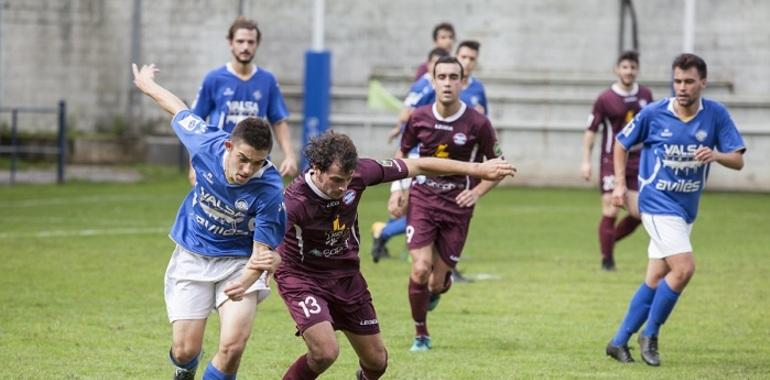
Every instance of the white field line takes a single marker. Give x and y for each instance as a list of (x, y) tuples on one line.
[(85, 233), (42, 202)]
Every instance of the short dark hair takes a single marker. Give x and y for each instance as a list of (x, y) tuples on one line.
[(687, 60), (437, 52), (449, 59), (443, 26), (470, 44), (323, 150), (243, 23), (254, 132), (628, 55)]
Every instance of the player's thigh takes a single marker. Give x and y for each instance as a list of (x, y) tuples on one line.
[(451, 238), (187, 335), (632, 203), (369, 348), (421, 226), (305, 299), (321, 340), (236, 319)]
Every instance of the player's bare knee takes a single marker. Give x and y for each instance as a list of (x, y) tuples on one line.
[(377, 360), (421, 271), (324, 355), (183, 352)]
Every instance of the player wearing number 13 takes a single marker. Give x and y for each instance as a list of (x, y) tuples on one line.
[(320, 280)]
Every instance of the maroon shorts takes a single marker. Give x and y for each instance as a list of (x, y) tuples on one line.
[(425, 225), (345, 302), (607, 177)]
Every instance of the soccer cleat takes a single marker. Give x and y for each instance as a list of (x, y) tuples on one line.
[(433, 301), (457, 276), (184, 374), (379, 249), (619, 353), (648, 345), (421, 343), (608, 265)]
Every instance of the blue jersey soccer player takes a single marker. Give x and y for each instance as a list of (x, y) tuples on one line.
[(681, 137), (233, 215), (240, 89)]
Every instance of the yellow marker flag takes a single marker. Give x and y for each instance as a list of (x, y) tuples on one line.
[(379, 98)]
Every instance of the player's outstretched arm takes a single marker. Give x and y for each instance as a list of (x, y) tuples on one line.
[(494, 170), (262, 259), (144, 80)]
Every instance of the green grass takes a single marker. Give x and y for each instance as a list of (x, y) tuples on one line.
[(82, 276)]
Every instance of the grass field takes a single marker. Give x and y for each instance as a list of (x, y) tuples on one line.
[(82, 275)]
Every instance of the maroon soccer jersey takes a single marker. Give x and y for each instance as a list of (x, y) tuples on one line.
[(613, 110), (465, 136), (322, 235)]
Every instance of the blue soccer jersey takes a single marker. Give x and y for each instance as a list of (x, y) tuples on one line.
[(225, 99), (221, 219), (671, 180), (474, 94), (421, 93)]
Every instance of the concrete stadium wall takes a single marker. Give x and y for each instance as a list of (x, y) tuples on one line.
[(80, 50)]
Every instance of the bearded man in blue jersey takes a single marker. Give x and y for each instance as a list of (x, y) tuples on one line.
[(234, 214), (240, 89), (680, 136)]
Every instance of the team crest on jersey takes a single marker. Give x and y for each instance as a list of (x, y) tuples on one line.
[(349, 197), (242, 205), (257, 95), (642, 103), (228, 92), (460, 138), (701, 135), (193, 124)]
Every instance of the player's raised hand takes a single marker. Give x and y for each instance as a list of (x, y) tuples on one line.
[(288, 167), (144, 78), (495, 169)]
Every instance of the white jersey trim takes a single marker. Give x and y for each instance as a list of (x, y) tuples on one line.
[(231, 70), (616, 89), (311, 184), (452, 117)]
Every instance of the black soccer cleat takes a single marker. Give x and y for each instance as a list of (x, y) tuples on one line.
[(608, 265), (619, 353), (648, 345), (379, 249)]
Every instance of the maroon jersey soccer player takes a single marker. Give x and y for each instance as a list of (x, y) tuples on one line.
[(615, 108), (440, 208), (319, 278)]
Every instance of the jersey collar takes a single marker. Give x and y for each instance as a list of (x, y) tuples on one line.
[(257, 174), (451, 118), (634, 90), (231, 70), (311, 184), (671, 109)]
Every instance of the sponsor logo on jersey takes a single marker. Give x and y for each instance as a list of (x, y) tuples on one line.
[(209, 176), (628, 129), (441, 151), (228, 92), (680, 186), (368, 322), (443, 127), (386, 163), (460, 138), (332, 204), (666, 133), (337, 225), (349, 197), (678, 158), (701, 135)]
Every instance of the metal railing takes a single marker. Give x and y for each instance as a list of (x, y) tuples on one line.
[(60, 149)]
